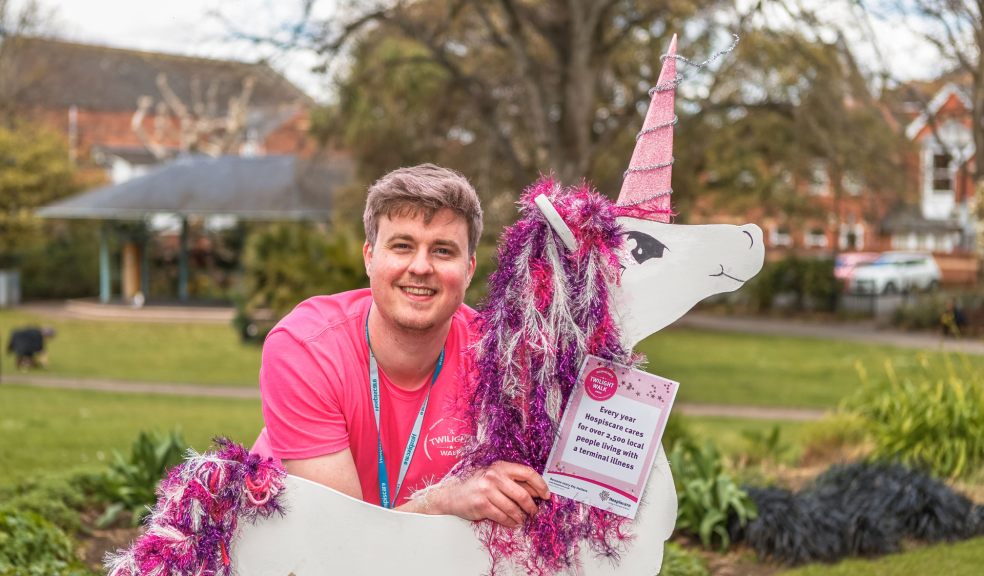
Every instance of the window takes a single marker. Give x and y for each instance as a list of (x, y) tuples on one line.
[(815, 238), (942, 180), (779, 236), (819, 181)]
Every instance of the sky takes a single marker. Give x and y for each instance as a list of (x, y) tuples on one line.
[(192, 27)]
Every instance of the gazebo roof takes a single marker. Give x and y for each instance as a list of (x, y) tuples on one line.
[(251, 188)]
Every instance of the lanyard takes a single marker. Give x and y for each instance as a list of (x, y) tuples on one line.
[(384, 492)]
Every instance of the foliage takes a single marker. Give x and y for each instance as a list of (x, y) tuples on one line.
[(925, 312), (709, 499), (810, 283), (131, 483), (765, 446), (856, 509), (678, 562), (287, 263), (926, 420), (35, 171), (58, 498), (832, 437), (32, 546), (63, 264)]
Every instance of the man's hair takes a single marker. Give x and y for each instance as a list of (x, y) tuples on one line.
[(423, 189)]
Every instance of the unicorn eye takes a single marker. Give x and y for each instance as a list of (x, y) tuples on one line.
[(646, 246)]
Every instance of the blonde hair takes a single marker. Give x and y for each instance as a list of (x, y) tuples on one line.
[(424, 189)]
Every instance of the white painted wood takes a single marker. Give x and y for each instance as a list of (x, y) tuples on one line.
[(325, 532)]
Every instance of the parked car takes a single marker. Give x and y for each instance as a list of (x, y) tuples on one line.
[(894, 272), (846, 263)]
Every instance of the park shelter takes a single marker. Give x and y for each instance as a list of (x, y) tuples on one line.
[(260, 188)]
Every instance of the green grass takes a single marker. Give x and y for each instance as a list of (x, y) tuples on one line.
[(960, 559), (712, 367), (731, 368), (45, 431), (193, 353)]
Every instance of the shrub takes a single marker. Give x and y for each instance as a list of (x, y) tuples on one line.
[(708, 498), (33, 546), (58, 499), (835, 435), (679, 562), (923, 420), (284, 264), (856, 509), (131, 483), (925, 312), (810, 284)]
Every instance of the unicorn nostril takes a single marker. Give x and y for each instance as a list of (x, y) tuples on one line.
[(751, 239)]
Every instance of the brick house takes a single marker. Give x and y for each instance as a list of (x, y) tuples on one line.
[(934, 213), (92, 94)]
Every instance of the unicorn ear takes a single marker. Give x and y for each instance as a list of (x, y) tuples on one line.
[(556, 222)]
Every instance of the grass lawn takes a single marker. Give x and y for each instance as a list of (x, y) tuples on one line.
[(731, 368), (192, 353), (712, 367), (44, 431), (960, 559)]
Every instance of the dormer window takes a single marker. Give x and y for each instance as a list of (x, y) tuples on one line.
[(942, 177)]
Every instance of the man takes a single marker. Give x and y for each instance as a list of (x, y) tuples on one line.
[(406, 342)]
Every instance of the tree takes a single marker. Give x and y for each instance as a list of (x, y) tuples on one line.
[(34, 170), (783, 108), (956, 29), (511, 87)]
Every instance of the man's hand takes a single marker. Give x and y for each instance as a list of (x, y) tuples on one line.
[(503, 492)]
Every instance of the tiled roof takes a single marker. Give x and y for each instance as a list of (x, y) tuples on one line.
[(253, 188), (59, 74)]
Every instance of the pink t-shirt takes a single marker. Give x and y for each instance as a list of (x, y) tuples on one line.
[(314, 381)]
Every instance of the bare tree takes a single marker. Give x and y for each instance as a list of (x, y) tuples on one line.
[(30, 20), (554, 80), (196, 126)]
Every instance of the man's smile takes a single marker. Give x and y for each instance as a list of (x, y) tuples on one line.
[(420, 291)]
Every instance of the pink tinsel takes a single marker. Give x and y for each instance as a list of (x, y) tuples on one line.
[(199, 504)]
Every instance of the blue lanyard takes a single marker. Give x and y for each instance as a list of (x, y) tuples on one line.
[(384, 493)]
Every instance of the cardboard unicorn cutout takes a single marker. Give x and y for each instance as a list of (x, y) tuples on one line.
[(577, 275)]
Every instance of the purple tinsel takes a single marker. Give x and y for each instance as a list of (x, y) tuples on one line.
[(546, 309), (199, 504)]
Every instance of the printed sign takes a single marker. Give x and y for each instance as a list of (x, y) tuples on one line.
[(609, 435)]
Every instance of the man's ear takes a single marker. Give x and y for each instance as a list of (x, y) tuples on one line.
[(367, 256), (471, 269)]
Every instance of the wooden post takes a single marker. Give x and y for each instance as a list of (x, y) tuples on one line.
[(183, 262), (104, 266)]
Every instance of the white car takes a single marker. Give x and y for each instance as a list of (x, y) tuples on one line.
[(895, 272)]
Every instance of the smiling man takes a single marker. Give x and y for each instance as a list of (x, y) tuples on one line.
[(365, 391)]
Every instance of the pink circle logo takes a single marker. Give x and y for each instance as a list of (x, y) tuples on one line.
[(601, 384)]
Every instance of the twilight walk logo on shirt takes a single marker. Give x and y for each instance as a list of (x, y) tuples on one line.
[(445, 439)]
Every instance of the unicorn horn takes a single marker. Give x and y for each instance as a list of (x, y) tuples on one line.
[(646, 185)]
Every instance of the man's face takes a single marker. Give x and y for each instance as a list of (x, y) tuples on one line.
[(419, 272)]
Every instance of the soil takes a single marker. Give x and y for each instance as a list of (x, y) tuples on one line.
[(95, 543)]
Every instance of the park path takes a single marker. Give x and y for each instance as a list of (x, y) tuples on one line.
[(198, 390), (867, 332)]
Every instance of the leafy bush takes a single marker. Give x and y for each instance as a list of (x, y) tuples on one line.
[(925, 312), (835, 435), (809, 283), (679, 562), (935, 423), (764, 447), (708, 498), (58, 499), (62, 264), (33, 546), (284, 264), (856, 509), (131, 483)]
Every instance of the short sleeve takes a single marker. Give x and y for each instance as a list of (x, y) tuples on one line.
[(303, 417)]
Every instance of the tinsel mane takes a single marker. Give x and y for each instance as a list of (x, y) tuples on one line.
[(546, 309), (199, 504)]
